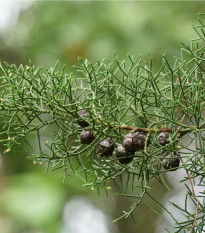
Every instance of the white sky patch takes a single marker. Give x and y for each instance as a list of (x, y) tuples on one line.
[(81, 216), (10, 11)]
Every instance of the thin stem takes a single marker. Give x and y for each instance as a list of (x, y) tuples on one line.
[(193, 194)]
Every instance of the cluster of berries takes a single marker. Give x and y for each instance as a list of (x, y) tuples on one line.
[(132, 142)]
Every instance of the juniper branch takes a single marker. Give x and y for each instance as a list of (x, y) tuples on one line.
[(118, 97)]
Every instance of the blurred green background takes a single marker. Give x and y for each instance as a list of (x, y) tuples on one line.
[(43, 31)]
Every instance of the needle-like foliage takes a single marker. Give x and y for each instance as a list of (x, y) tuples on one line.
[(119, 97)]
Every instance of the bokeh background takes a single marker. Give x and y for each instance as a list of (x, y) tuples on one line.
[(47, 31)]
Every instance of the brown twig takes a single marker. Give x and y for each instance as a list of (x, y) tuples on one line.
[(191, 184), (194, 196), (181, 132)]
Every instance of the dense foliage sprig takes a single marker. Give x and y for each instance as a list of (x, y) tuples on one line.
[(118, 98)]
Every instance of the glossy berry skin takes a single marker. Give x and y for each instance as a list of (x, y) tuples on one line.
[(87, 136), (162, 138), (171, 161), (134, 141), (105, 148), (123, 155), (82, 113)]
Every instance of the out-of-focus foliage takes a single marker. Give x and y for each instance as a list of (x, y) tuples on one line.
[(43, 199), (51, 31)]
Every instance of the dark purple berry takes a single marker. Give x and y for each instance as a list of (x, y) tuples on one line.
[(123, 155), (87, 136), (162, 138), (83, 114), (105, 148), (171, 161), (134, 141)]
